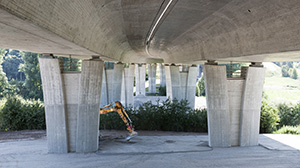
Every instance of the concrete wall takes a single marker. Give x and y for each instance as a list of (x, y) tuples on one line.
[(233, 106), (71, 87), (235, 95), (54, 101), (218, 115), (140, 74)]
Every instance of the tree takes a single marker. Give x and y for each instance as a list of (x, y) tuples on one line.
[(11, 61), (294, 74), (33, 84), (3, 80), (200, 87), (285, 71)]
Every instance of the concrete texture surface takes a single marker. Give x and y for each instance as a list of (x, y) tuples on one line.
[(251, 106), (192, 31), (154, 151), (218, 115), (89, 96), (54, 99)]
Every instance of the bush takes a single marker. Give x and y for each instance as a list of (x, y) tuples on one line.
[(289, 130), (289, 115), (269, 118), (20, 114), (163, 116), (162, 91)]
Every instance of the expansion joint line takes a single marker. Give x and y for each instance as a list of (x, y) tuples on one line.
[(161, 14)]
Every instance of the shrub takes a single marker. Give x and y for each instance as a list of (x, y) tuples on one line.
[(162, 91), (20, 114), (289, 130), (168, 115), (289, 115), (269, 118)]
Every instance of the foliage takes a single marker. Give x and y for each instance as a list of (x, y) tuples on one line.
[(72, 64), (12, 59), (294, 74), (162, 91), (200, 87), (165, 116), (289, 115), (3, 80), (289, 130), (20, 114), (269, 118), (33, 84), (285, 71)]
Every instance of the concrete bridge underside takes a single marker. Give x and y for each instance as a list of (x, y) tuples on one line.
[(151, 31), (176, 31)]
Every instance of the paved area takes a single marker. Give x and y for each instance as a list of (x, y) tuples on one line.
[(154, 152)]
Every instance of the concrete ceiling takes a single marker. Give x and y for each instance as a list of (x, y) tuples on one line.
[(170, 31)]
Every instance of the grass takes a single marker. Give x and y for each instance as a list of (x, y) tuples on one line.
[(282, 90)]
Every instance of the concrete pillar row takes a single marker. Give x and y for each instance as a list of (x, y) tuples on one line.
[(233, 106), (72, 101), (152, 77), (140, 77), (127, 98), (181, 85)]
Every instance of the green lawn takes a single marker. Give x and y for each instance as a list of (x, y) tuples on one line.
[(282, 90)]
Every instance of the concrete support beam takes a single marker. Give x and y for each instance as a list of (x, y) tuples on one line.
[(127, 86), (54, 101), (250, 116), (162, 75), (218, 115), (191, 82), (140, 77), (233, 106), (152, 77), (181, 85), (104, 95), (89, 97), (112, 84), (72, 101)]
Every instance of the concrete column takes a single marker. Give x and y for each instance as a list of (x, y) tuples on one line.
[(72, 101), (181, 85), (218, 115), (152, 78), (162, 75), (89, 97), (233, 106), (127, 86), (104, 94), (252, 96), (191, 85), (54, 101), (113, 83), (140, 73)]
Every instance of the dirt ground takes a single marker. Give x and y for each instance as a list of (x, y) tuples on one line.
[(104, 134)]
